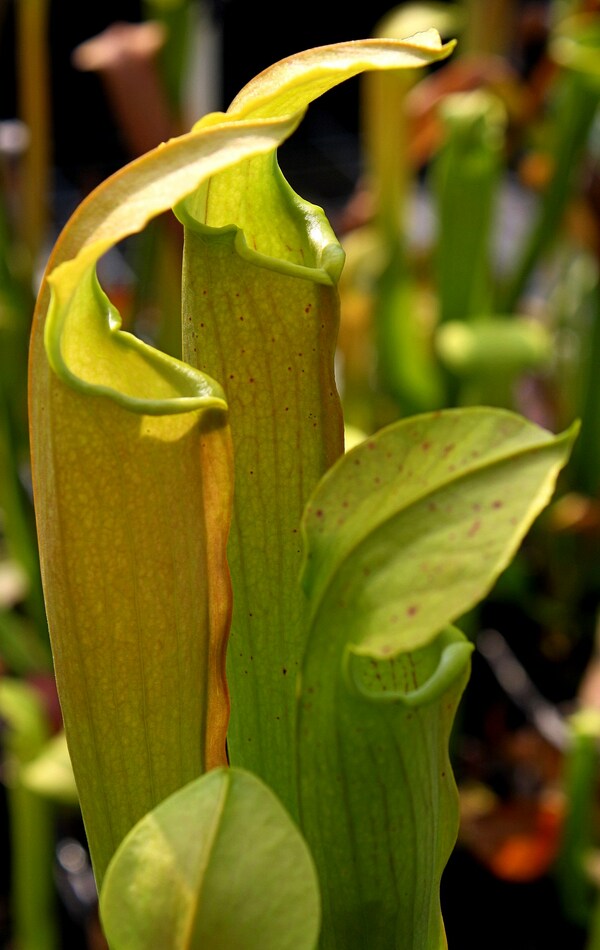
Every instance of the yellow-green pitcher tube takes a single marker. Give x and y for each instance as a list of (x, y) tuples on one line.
[(133, 511), (132, 476), (271, 338), (261, 314)]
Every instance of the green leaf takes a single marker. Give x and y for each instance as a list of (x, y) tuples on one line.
[(219, 865), (292, 83), (405, 534), (428, 512)]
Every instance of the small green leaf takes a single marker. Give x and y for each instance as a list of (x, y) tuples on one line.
[(218, 865)]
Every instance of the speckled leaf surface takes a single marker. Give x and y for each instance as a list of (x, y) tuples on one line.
[(217, 866), (405, 534)]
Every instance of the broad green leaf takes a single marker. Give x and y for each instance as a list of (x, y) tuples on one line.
[(219, 865), (260, 314), (430, 511), (403, 535)]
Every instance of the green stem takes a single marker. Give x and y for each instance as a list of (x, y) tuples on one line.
[(31, 821), (585, 463), (465, 177), (33, 892), (19, 527), (580, 787), (34, 105), (490, 27)]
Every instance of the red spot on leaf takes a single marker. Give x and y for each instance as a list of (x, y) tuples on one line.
[(412, 610)]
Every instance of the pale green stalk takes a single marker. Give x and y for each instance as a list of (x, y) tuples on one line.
[(32, 822), (34, 106), (577, 837)]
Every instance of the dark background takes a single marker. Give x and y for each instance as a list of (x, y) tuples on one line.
[(87, 145)]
